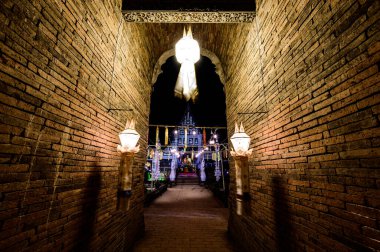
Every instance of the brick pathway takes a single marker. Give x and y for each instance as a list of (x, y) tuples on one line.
[(185, 218)]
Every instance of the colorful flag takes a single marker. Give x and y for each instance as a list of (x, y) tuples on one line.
[(157, 135), (204, 137), (166, 136), (185, 138)]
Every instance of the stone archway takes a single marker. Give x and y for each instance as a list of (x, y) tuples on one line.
[(204, 52)]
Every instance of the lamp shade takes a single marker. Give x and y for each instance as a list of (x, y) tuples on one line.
[(129, 137), (187, 49), (240, 140)]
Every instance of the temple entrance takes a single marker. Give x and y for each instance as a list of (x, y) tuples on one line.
[(186, 171), (187, 139)]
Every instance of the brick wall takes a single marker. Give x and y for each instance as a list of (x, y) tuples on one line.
[(313, 65), (314, 175), (63, 64)]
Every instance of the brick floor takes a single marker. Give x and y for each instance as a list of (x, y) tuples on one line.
[(185, 218)]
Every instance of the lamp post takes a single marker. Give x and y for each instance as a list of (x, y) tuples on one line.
[(240, 142), (128, 139), (217, 164)]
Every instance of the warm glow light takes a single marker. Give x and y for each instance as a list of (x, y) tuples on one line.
[(212, 141), (240, 142), (187, 49), (187, 52), (215, 136), (129, 138)]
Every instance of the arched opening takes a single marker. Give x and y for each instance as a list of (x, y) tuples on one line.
[(188, 127), (204, 52), (167, 109), (187, 145)]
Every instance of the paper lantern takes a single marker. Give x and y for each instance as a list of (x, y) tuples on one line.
[(240, 141), (129, 138)]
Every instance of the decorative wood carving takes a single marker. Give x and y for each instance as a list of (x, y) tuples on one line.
[(188, 17)]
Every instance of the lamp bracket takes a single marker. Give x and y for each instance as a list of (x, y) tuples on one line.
[(118, 109)]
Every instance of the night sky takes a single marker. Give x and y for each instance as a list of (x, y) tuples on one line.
[(208, 110)]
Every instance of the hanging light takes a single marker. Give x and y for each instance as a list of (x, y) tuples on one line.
[(240, 142), (194, 132), (187, 49), (187, 52), (129, 138)]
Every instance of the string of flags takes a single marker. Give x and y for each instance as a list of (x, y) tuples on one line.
[(187, 131)]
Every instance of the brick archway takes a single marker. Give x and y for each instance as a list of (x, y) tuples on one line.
[(204, 52)]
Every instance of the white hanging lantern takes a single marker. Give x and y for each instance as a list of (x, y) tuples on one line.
[(187, 49), (187, 52), (240, 142), (129, 138)]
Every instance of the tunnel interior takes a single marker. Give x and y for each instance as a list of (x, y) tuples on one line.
[(303, 78)]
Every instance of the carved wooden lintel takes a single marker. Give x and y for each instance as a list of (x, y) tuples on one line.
[(189, 16)]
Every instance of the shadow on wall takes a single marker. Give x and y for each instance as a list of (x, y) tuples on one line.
[(89, 207), (282, 221)]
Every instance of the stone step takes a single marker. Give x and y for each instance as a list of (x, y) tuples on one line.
[(187, 181)]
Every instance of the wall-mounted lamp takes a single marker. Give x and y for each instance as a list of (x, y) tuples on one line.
[(240, 142), (128, 139)]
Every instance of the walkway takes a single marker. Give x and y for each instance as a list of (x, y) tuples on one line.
[(185, 218)]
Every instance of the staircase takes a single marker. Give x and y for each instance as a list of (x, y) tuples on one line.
[(187, 179)]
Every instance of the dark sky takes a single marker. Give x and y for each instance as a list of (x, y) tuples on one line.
[(208, 110)]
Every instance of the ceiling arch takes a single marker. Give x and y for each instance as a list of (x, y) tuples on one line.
[(204, 52)]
